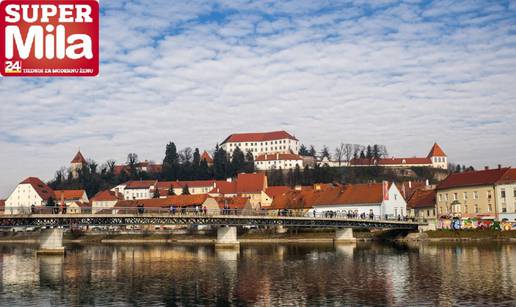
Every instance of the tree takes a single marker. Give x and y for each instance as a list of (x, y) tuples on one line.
[(132, 161), (298, 177), (185, 191), (325, 153), (369, 152), (171, 191), (156, 193), (249, 162), (312, 152), (303, 151), (170, 162), (343, 152), (237, 161)]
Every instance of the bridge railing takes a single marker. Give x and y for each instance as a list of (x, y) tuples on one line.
[(202, 211)]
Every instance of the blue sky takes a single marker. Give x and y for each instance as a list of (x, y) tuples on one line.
[(399, 73)]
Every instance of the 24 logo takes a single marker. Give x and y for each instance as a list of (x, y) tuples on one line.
[(13, 67)]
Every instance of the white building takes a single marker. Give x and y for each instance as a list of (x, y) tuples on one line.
[(30, 192), (381, 199), (194, 187), (143, 189), (261, 143), (277, 161), (104, 200), (505, 191)]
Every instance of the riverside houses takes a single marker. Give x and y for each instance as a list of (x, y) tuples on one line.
[(380, 199), (484, 194)]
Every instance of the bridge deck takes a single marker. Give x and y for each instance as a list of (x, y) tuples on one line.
[(39, 220)]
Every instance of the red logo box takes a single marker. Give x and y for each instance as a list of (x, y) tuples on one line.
[(48, 38)]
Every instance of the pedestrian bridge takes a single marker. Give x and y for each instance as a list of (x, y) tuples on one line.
[(53, 225)]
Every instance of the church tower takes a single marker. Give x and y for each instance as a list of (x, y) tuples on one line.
[(77, 163), (438, 157)]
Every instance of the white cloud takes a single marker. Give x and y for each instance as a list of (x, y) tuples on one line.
[(398, 75)]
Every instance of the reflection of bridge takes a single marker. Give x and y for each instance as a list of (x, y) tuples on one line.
[(226, 234)]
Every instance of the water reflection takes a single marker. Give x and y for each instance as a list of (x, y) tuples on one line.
[(361, 273)]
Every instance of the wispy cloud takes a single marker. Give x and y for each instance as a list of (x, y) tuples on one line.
[(401, 73)]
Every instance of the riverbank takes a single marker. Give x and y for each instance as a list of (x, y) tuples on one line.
[(322, 236)]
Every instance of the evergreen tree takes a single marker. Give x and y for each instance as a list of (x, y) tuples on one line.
[(186, 190), (204, 170), (369, 152), (325, 153), (51, 202), (290, 178), (303, 151), (249, 162), (156, 193), (298, 177), (362, 154), (132, 162), (307, 176), (221, 164), (170, 162), (171, 191), (196, 163), (237, 161), (312, 152), (376, 152)]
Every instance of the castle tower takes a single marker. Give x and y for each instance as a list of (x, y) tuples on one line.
[(77, 163), (438, 157)]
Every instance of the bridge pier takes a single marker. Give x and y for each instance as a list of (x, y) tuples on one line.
[(227, 237), (344, 235), (51, 241)]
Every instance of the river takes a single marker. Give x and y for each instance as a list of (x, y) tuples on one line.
[(267, 274)]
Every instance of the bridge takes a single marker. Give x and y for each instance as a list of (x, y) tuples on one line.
[(53, 225)]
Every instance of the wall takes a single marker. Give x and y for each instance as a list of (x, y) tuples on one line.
[(467, 206), (24, 196)]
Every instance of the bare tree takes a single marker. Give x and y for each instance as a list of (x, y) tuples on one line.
[(382, 151), (339, 153), (186, 154), (343, 152), (357, 149)]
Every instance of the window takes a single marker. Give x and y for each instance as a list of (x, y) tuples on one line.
[(502, 192), (465, 208), (489, 195), (465, 195), (446, 197), (476, 208), (489, 208), (514, 193), (440, 197), (475, 195), (455, 196)]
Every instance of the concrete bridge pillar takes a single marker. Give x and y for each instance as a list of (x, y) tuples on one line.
[(227, 237), (344, 235), (51, 241)]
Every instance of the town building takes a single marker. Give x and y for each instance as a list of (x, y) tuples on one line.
[(380, 199), (145, 166), (194, 187), (104, 200), (77, 163), (421, 205), (260, 143), (471, 194), (505, 191), (278, 161), (70, 196), (143, 189), (30, 192), (251, 186), (436, 158), (207, 157)]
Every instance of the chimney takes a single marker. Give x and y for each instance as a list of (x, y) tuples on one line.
[(486, 168), (410, 184), (277, 156), (499, 166)]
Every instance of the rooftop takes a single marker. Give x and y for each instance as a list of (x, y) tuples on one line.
[(259, 137)]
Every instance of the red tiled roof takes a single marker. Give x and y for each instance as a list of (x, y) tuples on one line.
[(277, 190), (407, 188), (2, 204), (422, 198), (391, 161), (206, 156), (259, 137), (278, 156), (330, 196), (224, 187), (251, 183), (143, 184), (173, 200), (436, 151), (43, 190), (473, 178), (232, 202), (181, 184), (508, 177), (68, 194), (105, 195), (78, 158), (151, 168)]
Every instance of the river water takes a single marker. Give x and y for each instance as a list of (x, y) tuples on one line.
[(270, 275)]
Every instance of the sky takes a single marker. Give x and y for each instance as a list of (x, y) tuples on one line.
[(404, 74)]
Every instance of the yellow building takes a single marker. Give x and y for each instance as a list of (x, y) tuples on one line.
[(469, 194)]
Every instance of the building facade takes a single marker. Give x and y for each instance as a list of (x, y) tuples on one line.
[(277, 161), (30, 192), (505, 193), (261, 143)]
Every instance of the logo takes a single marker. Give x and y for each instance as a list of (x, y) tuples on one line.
[(48, 38)]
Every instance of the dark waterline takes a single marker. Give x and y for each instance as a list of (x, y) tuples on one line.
[(289, 274)]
